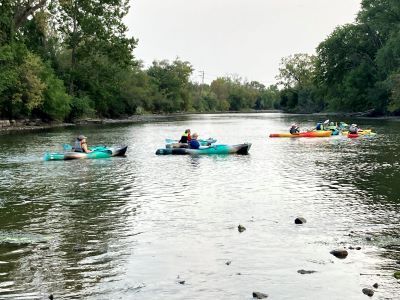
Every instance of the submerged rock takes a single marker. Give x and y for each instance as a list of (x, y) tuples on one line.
[(78, 248), (241, 228), (396, 275), (358, 248), (368, 238), (228, 262), (376, 285), (341, 253), (300, 220), (306, 271), (368, 292), (259, 295), (181, 282)]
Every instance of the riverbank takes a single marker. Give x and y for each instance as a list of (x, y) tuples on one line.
[(38, 124)]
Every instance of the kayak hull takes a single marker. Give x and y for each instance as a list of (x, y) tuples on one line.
[(216, 149), (360, 132), (321, 133)]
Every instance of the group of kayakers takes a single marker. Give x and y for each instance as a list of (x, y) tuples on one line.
[(327, 125)]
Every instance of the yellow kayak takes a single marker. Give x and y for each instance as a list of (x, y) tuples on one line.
[(361, 132)]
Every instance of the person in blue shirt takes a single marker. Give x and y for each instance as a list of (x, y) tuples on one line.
[(194, 143)]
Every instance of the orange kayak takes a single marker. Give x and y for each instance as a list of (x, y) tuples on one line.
[(319, 133)]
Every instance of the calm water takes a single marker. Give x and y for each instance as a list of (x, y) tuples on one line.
[(133, 227)]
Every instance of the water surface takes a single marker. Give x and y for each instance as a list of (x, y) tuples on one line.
[(133, 227)]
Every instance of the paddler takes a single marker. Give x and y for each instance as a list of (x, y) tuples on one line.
[(81, 144), (353, 129), (194, 143), (294, 129), (185, 138)]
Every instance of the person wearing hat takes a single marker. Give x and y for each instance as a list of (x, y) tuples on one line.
[(294, 129), (81, 145), (353, 129), (194, 143)]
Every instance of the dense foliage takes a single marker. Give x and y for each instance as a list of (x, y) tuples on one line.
[(357, 67), (68, 59)]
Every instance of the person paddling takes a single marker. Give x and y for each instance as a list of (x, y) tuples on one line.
[(194, 143), (353, 129), (185, 138), (294, 129), (81, 144)]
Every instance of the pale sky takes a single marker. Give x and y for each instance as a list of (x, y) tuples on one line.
[(247, 38)]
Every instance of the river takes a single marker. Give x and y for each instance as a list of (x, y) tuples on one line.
[(165, 227)]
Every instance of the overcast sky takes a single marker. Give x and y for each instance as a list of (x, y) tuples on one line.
[(242, 37)]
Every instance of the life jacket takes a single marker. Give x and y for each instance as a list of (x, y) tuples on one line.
[(320, 126), (78, 146), (184, 138)]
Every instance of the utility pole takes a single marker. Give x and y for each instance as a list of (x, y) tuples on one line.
[(202, 82)]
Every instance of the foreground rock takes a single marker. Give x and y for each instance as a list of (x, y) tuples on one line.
[(368, 292), (306, 271), (300, 220), (241, 228), (396, 275), (258, 295), (340, 253)]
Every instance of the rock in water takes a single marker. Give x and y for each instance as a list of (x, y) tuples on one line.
[(181, 282), (340, 253), (376, 285), (228, 262), (368, 292), (259, 295), (51, 297), (300, 220), (396, 275), (241, 228), (306, 271)]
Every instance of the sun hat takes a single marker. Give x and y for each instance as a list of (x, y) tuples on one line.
[(81, 137)]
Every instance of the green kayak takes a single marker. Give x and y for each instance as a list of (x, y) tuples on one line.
[(215, 149), (98, 152)]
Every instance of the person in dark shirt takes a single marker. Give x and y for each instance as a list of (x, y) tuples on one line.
[(294, 129), (185, 138), (194, 143)]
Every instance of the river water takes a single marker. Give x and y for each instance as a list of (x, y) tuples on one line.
[(135, 227)]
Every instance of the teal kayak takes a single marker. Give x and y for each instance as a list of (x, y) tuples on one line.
[(97, 152), (116, 151), (215, 149), (206, 142), (77, 155)]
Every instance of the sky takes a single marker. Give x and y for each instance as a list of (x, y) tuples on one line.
[(245, 38)]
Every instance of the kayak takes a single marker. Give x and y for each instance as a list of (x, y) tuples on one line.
[(202, 142), (318, 133), (360, 132), (99, 152), (115, 151), (215, 149), (352, 135)]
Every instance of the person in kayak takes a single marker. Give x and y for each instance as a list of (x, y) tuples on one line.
[(185, 138), (353, 129), (294, 129), (194, 143), (81, 144)]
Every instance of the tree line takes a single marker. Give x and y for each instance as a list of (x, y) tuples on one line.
[(70, 59)]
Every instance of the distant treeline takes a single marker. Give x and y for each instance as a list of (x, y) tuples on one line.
[(69, 59)]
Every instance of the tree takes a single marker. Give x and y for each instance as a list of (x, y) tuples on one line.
[(296, 71)]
